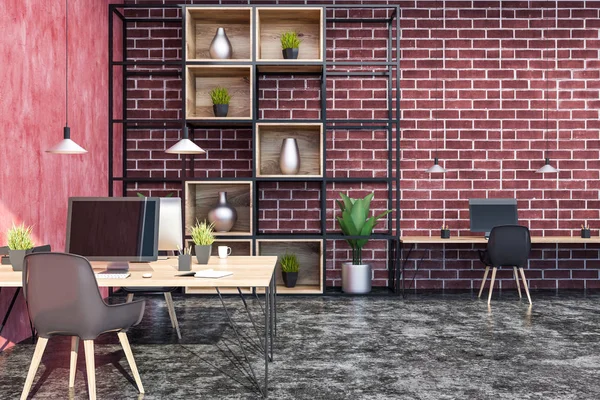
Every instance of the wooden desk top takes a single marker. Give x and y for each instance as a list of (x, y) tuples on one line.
[(481, 239), (248, 271)]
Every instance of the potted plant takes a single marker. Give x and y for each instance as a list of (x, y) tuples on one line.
[(289, 45), (220, 98), (19, 245), (355, 221), (203, 237), (289, 269)]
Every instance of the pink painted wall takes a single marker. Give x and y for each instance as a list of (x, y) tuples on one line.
[(35, 185)]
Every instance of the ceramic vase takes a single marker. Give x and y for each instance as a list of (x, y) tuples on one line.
[(223, 215), (356, 278), (289, 158), (220, 110), (17, 258), (220, 47), (289, 279)]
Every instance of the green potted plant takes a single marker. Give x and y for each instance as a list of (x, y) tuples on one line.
[(19, 245), (289, 269), (290, 42), (356, 221), (220, 98), (203, 237)]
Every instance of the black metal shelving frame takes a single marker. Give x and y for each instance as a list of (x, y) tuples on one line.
[(391, 124)]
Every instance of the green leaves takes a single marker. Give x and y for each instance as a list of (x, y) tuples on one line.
[(355, 221), (19, 237), (290, 40), (220, 95)]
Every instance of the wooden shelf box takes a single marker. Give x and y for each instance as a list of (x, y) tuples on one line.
[(307, 22), (239, 247), (200, 80), (201, 26), (269, 137), (310, 256), (202, 196)]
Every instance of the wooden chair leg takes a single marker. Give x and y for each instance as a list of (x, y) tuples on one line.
[(90, 367), (485, 274), (129, 297), (129, 355), (172, 315), (492, 284), (33, 367), (525, 284), (73, 365), (516, 274)]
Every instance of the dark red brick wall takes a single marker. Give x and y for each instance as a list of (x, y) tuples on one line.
[(488, 113)]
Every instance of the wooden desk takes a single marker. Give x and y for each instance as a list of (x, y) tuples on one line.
[(481, 239), (416, 240), (248, 271)]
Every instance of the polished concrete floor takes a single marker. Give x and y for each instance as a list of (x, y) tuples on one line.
[(337, 347)]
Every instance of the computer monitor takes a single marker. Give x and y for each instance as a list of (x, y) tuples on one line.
[(488, 213), (113, 228), (170, 230)]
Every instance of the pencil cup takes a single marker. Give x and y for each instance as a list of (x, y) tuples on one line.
[(586, 233), (445, 233), (185, 262)]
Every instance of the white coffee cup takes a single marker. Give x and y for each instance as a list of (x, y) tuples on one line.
[(224, 251)]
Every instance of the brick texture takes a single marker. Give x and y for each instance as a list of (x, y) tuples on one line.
[(484, 108)]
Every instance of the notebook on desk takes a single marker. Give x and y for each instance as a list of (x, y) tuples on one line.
[(212, 274)]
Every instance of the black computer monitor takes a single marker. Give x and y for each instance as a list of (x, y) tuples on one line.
[(113, 228), (488, 213)]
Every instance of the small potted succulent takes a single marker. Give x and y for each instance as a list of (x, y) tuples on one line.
[(220, 98), (203, 237), (289, 45), (289, 269), (19, 245)]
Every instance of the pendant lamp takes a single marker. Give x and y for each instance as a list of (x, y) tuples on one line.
[(547, 168), (185, 145), (436, 167), (66, 146)]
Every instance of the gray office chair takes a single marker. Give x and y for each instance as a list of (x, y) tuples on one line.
[(508, 246), (63, 299)]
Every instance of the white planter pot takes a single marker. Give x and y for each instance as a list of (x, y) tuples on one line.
[(356, 278)]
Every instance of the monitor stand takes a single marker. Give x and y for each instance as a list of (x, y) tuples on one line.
[(117, 265), (487, 236)]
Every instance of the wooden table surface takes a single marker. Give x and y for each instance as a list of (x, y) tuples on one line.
[(248, 271), (481, 239)]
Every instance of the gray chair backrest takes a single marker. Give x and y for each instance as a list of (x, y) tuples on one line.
[(509, 246), (62, 294)]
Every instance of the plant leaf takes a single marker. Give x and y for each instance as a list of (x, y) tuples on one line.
[(348, 202), (367, 229)]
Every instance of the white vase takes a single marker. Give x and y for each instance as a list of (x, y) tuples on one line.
[(220, 47), (223, 215), (289, 157)]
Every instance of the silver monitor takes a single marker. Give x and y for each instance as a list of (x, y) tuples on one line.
[(488, 213), (170, 228)]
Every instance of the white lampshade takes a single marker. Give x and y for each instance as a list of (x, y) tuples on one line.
[(436, 167), (66, 146), (185, 146), (547, 168)]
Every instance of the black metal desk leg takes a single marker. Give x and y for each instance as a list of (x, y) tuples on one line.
[(9, 310), (275, 304), (266, 346), (412, 246)]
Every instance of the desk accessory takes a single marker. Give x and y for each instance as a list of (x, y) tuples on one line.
[(445, 232), (19, 244), (224, 251), (147, 275), (112, 274), (209, 273), (586, 233), (184, 261), (203, 237)]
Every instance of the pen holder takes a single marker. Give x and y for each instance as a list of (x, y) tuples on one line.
[(586, 233), (445, 233), (184, 262)]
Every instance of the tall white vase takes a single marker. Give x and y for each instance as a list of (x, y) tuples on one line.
[(289, 158), (220, 47)]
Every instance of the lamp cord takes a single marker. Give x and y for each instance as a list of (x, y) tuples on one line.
[(66, 62), (547, 88), (437, 108)]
